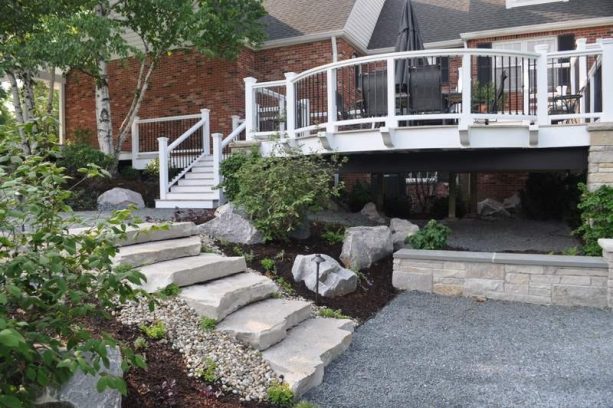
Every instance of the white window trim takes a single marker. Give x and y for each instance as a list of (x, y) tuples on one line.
[(522, 3)]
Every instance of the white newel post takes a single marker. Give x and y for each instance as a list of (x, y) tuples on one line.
[(206, 130), (217, 154), (250, 115), (163, 158), (290, 105), (135, 139), (391, 121), (465, 117), (607, 79), (236, 121), (582, 66), (542, 85), (331, 96)]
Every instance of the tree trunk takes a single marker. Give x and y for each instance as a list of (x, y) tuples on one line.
[(16, 99), (51, 94), (27, 89), (103, 110)]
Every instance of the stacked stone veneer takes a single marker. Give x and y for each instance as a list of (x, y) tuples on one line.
[(540, 279), (607, 253), (600, 159)]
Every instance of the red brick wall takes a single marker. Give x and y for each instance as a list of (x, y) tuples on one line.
[(500, 185)]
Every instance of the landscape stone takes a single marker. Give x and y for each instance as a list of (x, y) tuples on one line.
[(492, 208), (158, 251), (334, 280), (364, 246), (232, 225), (512, 203), (119, 199), (401, 229), (370, 211)]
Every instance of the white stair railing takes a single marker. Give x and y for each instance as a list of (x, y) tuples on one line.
[(220, 145), (182, 154)]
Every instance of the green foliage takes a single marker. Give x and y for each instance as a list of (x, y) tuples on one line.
[(277, 192), (155, 330), (305, 404), (596, 218), (238, 251), (170, 291), (432, 236), (152, 169), (552, 196), (76, 156), (140, 344), (285, 286), (207, 324), (207, 373), (51, 281), (280, 395), (334, 236), (359, 195), (229, 170), (129, 173), (572, 251), (268, 264), (332, 313)]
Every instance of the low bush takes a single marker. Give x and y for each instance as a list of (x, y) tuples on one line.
[(596, 218), (229, 170), (268, 264), (140, 343), (552, 196), (334, 236), (432, 236), (129, 173), (207, 324), (76, 156), (170, 291), (280, 395), (155, 330), (208, 372), (152, 169), (332, 313), (359, 195)]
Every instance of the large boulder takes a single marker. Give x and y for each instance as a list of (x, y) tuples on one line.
[(232, 224), (80, 391), (334, 280), (492, 208), (401, 229), (513, 203), (119, 199), (364, 246), (370, 212)]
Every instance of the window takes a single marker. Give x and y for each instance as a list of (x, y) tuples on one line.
[(521, 3)]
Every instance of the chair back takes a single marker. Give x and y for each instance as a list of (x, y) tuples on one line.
[(425, 94)]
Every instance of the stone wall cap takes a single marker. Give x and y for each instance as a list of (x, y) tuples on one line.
[(245, 143), (504, 258), (606, 244), (600, 126)]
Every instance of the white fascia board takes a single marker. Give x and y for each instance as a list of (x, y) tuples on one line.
[(535, 28), (301, 39), (428, 46)]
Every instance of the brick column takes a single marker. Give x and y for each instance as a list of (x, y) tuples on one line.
[(607, 254), (600, 158)]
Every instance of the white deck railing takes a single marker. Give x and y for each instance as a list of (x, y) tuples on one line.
[(473, 86)]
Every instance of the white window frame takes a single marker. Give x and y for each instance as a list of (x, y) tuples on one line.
[(523, 3)]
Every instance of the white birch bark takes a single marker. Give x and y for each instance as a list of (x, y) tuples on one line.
[(104, 126)]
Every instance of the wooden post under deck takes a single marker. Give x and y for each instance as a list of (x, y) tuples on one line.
[(452, 195)]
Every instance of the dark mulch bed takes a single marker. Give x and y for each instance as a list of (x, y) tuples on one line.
[(165, 382), (361, 304)]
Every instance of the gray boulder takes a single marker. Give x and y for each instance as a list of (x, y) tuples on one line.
[(512, 203), (401, 229), (334, 280), (492, 208), (80, 391), (232, 224), (119, 199), (364, 246), (370, 212)]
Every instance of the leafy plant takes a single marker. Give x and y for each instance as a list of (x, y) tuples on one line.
[(596, 218), (572, 251), (285, 286), (152, 168), (155, 330), (207, 324), (170, 291), (268, 264), (280, 256), (129, 173), (238, 251), (207, 373), (229, 170), (359, 195), (52, 281), (277, 192), (75, 156), (140, 343), (333, 237), (332, 313), (432, 236), (305, 404), (280, 394)]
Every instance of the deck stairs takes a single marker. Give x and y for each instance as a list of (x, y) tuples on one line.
[(245, 304)]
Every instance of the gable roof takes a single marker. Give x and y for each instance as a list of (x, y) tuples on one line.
[(446, 20)]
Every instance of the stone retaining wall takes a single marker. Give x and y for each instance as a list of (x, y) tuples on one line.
[(540, 279)]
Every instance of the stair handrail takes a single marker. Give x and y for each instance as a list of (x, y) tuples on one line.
[(232, 136), (219, 145)]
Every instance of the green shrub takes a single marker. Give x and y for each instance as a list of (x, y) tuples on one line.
[(280, 394), (596, 218), (170, 291), (129, 173), (140, 344), (359, 195), (305, 404), (152, 169), (268, 264), (52, 283), (552, 196), (277, 192), (432, 236), (208, 372), (229, 170), (207, 324), (333, 237), (155, 330), (332, 313), (75, 156)]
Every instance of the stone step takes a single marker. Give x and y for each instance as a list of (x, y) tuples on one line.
[(265, 323), (145, 232), (211, 195), (206, 168), (200, 176), (193, 189), (196, 182), (158, 251), (191, 270), (307, 349), (219, 298), (193, 204)]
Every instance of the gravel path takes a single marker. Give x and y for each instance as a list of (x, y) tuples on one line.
[(432, 351)]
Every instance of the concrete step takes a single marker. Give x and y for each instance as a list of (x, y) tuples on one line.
[(196, 182), (202, 169), (146, 232), (204, 163), (158, 251), (307, 349), (206, 204), (193, 189), (199, 176), (213, 195), (265, 323), (191, 270), (219, 298)]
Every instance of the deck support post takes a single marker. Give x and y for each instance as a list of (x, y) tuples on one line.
[(473, 201), (206, 130), (453, 187)]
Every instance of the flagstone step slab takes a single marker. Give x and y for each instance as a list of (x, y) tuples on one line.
[(149, 232), (265, 323), (307, 349), (159, 251), (191, 270), (219, 298)]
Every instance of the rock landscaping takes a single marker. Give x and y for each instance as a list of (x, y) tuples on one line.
[(401, 229), (492, 208), (232, 225), (334, 280), (371, 212), (119, 199), (363, 246)]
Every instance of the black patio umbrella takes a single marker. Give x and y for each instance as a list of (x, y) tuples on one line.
[(409, 39)]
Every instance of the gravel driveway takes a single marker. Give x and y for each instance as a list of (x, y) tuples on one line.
[(425, 350)]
